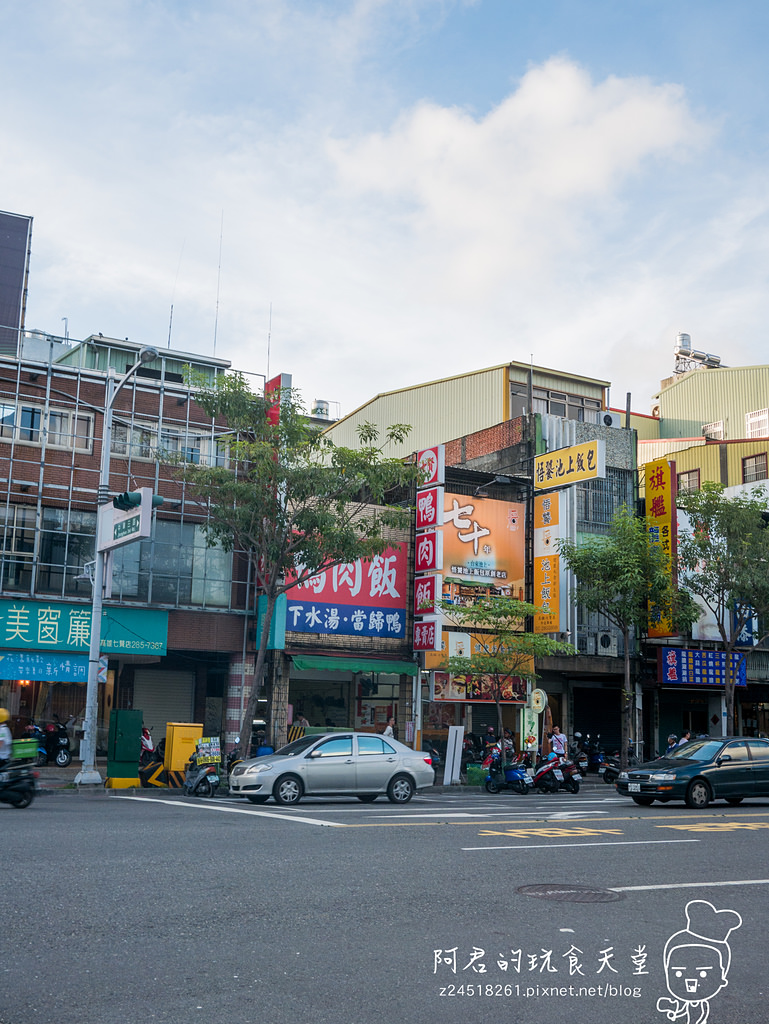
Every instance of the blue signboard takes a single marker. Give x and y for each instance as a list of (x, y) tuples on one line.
[(51, 668), (699, 668), (344, 619)]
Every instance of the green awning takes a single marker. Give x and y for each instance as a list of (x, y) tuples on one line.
[(306, 661)]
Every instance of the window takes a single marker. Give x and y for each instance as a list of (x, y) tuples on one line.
[(29, 425), (18, 526), (754, 468), (69, 430), (373, 745), (339, 747), (689, 481), (67, 543), (185, 445), (7, 419), (66, 429), (759, 750), (737, 751), (573, 407), (757, 423)]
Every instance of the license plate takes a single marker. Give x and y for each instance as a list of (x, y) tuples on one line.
[(634, 787), (528, 780), (601, 770), (558, 774), (577, 777)]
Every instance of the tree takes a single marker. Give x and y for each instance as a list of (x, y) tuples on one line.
[(501, 650), (723, 560), (293, 501), (619, 575)]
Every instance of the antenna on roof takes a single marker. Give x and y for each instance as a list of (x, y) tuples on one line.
[(170, 322), (218, 280)]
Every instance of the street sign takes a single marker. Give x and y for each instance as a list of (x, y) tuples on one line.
[(120, 526)]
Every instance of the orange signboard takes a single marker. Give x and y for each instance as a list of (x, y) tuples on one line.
[(483, 541), (661, 515), (546, 563)]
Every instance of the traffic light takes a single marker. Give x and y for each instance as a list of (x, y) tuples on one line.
[(127, 500), (133, 499)]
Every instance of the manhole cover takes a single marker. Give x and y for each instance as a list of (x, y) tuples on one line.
[(570, 893)]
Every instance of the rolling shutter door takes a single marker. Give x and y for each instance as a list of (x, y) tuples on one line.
[(163, 697)]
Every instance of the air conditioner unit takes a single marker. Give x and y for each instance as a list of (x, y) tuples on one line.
[(606, 644), (610, 419)]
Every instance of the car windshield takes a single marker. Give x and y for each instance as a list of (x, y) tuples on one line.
[(696, 750), (297, 746)]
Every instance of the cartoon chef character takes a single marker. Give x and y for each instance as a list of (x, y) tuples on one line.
[(697, 962)]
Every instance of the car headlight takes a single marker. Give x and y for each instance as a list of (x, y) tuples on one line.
[(622, 775), (254, 768), (662, 777)]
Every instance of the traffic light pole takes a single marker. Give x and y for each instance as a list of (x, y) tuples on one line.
[(89, 774)]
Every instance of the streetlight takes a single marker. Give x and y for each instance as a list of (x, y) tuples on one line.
[(89, 774)]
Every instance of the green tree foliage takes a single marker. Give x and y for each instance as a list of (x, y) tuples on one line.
[(618, 575), (292, 500), (723, 560), (501, 650)]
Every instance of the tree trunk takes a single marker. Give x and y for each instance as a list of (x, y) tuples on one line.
[(277, 703), (249, 712), (626, 704)]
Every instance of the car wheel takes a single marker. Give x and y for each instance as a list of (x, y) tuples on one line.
[(287, 790), (643, 801), (367, 798), (698, 795), (734, 800), (257, 799), (400, 790), (491, 786)]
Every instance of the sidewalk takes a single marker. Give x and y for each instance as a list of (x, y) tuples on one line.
[(52, 779)]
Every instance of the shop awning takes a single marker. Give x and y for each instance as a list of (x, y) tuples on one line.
[(306, 661)]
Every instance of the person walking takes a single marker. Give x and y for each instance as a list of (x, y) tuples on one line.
[(390, 728)]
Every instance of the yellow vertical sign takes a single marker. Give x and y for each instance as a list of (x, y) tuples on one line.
[(660, 513), (546, 563)]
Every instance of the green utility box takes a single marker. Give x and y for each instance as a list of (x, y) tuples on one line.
[(123, 748)]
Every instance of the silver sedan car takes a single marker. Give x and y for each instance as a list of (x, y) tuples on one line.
[(355, 763)]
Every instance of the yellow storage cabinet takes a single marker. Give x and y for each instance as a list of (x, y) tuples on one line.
[(181, 738)]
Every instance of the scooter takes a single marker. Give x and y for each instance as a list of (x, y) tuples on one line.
[(579, 754), (17, 785), (547, 775), (513, 777), (571, 775), (609, 768), (147, 754), (201, 780), (52, 744)]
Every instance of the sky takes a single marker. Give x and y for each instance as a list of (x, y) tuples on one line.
[(370, 194)]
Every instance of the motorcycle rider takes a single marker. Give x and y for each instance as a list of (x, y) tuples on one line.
[(6, 739)]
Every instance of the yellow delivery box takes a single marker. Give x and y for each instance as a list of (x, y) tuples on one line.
[(181, 738)]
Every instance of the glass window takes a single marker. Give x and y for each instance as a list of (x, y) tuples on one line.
[(737, 751), (759, 750), (58, 427), (373, 745), (7, 419), (29, 426), (689, 481), (754, 468), (340, 746), (119, 445)]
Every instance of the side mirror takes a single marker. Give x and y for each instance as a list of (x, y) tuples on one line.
[(723, 758)]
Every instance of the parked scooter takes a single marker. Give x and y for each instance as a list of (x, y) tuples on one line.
[(147, 755), (17, 784), (579, 754), (594, 752), (514, 776), (571, 775), (547, 775), (609, 768), (52, 743), (201, 780)]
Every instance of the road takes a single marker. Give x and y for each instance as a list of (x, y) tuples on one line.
[(157, 908)]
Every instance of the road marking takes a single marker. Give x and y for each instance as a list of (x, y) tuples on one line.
[(687, 885), (555, 833), (719, 826), (556, 846), (233, 810)]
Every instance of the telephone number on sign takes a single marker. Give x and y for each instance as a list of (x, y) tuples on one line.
[(478, 990)]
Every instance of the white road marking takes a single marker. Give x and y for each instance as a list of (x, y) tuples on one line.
[(211, 806), (687, 885), (552, 846)]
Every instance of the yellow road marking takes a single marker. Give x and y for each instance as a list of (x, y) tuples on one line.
[(548, 817), (719, 826), (553, 833)]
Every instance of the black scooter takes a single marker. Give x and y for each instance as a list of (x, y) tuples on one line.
[(17, 784)]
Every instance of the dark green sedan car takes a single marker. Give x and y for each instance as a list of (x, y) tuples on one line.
[(705, 769)]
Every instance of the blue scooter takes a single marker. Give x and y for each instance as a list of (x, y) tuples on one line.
[(513, 777)]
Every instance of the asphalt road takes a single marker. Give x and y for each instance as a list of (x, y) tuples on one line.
[(156, 908)]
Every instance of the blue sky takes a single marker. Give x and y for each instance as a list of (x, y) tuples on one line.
[(417, 188)]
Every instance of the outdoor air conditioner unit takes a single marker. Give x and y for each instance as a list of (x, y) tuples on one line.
[(606, 644), (610, 419)]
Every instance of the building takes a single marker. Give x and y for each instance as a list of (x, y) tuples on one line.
[(175, 634)]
